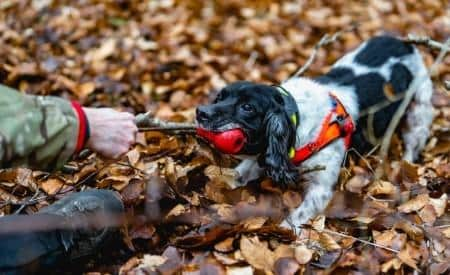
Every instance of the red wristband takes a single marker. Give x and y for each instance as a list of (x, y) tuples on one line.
[(83, 128)]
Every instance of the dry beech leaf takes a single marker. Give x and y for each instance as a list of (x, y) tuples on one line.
[(236, 270), (129, 265), (7, 197), (226, 259), (225, 175), (385, 238), (176, 211), (409, 256), (225, 246), (151, 262), (414, 204), (194, 200), (107, 48), (428, 214), (214, 191), (51, 186), (349, 259), (446, 232), (146, 45), (25, 178), (328, 243), (356, 183), (238, 255), (283, 251), (394, 263), (303, 254), (20, 176), (409, 171), (254, 223), (117, 182), (225, 211), (133, 156), (85, 89), (256, 253), (399, 241), (439, 204), (319, 222), (414, 232), (364, 220), (381, 187), (86, 171)]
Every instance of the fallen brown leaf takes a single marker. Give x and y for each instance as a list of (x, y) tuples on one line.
[(302, 254), (256, 253)]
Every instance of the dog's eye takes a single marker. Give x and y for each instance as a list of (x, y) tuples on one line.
[(248, 108)]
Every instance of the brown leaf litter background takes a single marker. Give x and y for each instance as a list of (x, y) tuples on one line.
[(167, 57)]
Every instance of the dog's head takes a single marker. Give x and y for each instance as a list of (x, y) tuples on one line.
[(259, 112)]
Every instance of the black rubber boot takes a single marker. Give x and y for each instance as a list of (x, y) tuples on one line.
[(72, 227)]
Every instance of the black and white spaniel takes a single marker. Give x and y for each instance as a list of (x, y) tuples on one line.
[(308, 122)]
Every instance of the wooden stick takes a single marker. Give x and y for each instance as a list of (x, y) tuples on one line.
[(174, 130), (359, 240), (147, 123)]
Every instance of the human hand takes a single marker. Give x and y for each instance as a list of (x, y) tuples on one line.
[(111, 132)]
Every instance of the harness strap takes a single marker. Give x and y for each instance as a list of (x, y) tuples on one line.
[(336, 124)]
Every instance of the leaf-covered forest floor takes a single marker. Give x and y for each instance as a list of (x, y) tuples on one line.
[(167, 57)]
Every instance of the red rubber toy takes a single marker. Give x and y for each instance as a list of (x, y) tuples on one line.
[(228, 142)]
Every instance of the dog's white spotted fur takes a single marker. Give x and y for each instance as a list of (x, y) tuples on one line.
[(314, 103)]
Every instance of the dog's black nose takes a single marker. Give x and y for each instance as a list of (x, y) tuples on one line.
[(203, 114)]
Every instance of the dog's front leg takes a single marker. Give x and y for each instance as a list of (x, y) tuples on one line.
[(248, 170), (320, 185), (316, 200)]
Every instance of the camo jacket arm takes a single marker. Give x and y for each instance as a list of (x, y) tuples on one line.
[(36, 131)]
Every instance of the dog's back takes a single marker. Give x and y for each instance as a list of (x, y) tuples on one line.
[(379, 72)]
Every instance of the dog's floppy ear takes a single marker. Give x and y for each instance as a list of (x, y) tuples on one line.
[(280, 136)]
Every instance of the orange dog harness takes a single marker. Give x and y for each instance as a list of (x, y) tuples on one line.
[(336, 124)]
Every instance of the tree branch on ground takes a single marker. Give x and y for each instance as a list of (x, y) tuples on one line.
[(359, 240)]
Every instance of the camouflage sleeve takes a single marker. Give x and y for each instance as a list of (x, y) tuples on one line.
[(35, 131)]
